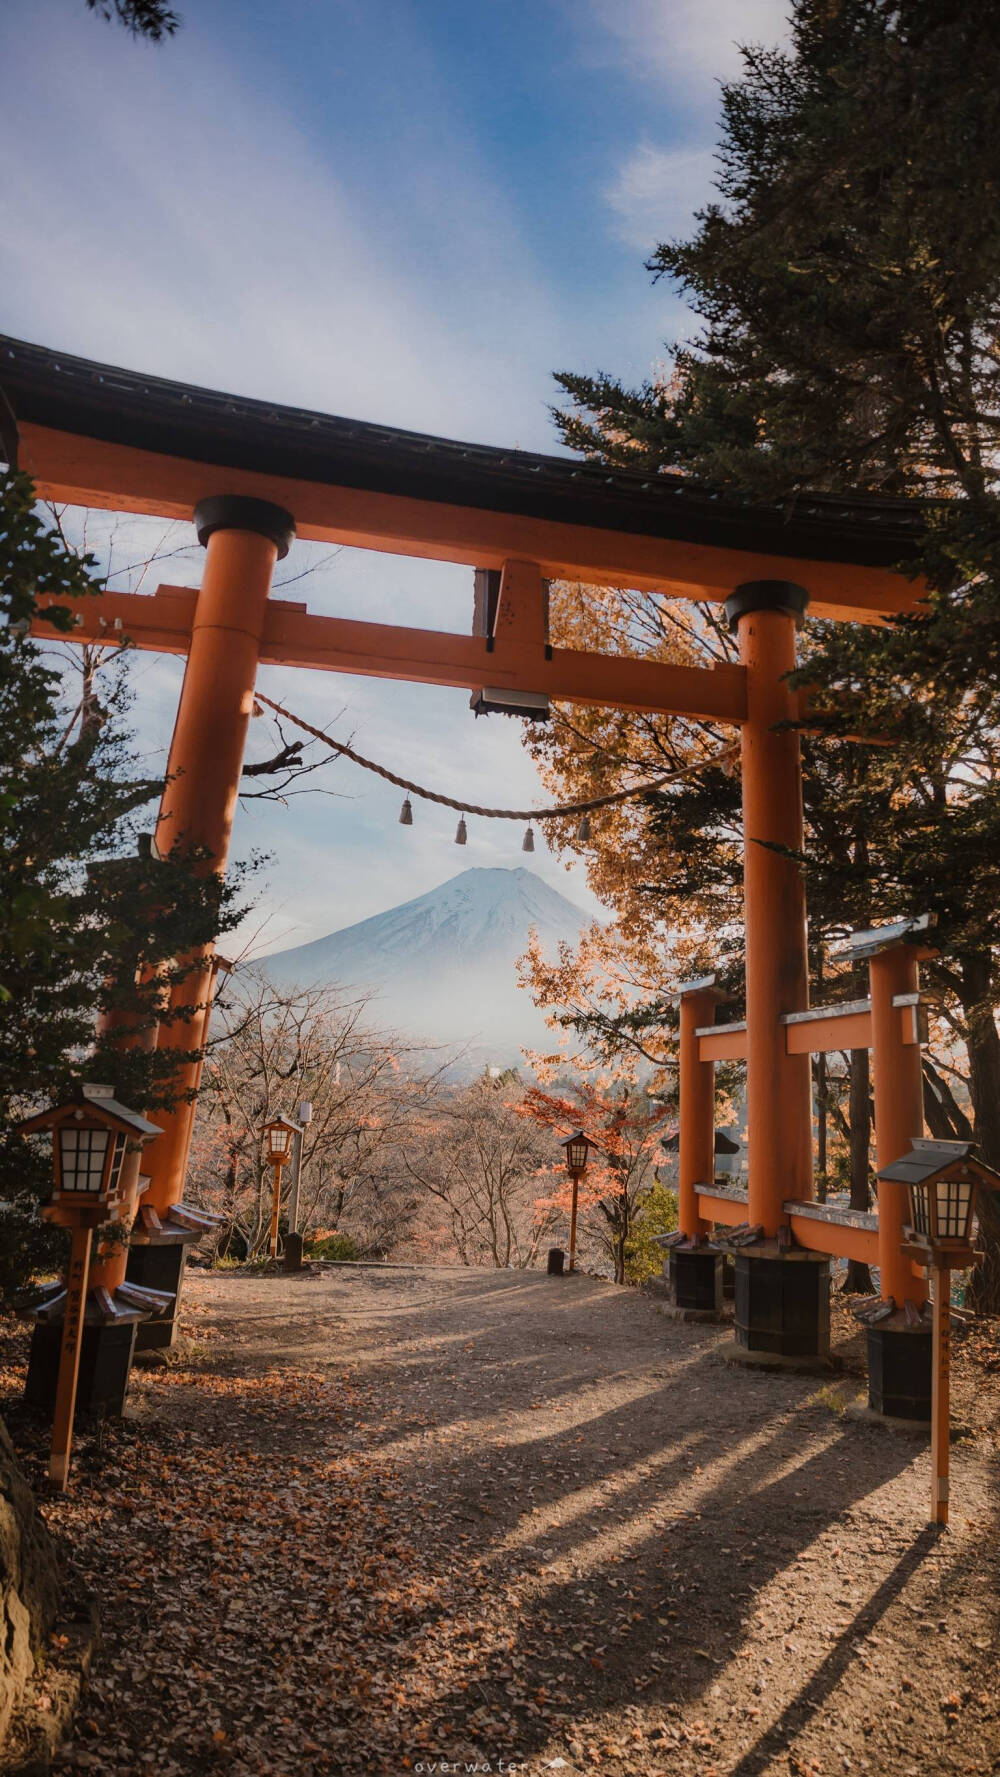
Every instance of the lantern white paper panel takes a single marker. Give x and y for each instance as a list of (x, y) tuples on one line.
[(82, 1153)]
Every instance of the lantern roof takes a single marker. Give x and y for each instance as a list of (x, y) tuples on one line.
[(99, 1101), (577, 1135), (280, 1123), (928, 1159)]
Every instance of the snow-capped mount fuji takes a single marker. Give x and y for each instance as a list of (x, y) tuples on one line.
[(441, 968)]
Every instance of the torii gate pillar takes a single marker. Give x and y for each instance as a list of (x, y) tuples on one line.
[(695, 1264), (782, 1295), (244, 538), (900, 1365)]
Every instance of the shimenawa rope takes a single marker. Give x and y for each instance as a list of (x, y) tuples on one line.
[(494, 814)]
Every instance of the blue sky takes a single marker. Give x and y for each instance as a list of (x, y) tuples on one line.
[(410, 211)]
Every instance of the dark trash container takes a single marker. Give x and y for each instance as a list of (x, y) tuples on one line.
[(293, 1252), (557, 1259)]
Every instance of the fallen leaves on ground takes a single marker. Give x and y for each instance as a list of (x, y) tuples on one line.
[(341, 1534)]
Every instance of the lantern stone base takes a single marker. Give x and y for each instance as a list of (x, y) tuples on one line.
[(106, 1354), (159, 1267), (696, 1278), (899, 1372), (782, 1302)]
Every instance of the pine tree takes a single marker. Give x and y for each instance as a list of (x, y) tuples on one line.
[(848, 287), (88, 919), (153, 20)]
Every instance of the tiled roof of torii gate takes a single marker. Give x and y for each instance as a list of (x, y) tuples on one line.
[(98, 401)]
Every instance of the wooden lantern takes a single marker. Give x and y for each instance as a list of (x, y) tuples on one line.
[(279, 1134), (576, 1147), (90, 1133), (942, 1178)]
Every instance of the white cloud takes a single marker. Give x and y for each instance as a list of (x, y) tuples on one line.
[(158, 213), (680, 42), (656, 192)]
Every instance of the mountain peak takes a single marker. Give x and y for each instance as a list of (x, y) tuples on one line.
[(442, 967)]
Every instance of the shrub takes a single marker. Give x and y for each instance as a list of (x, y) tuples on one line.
[(331, 1245), (656, 1214)]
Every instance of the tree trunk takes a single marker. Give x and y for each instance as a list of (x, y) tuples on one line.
[(621, 1236), (983, 1044), (858, 1281), (227, 1233), (92, 716), (821, 1129), (946, 1119)]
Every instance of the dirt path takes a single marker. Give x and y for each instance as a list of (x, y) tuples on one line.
[(401, 1520)]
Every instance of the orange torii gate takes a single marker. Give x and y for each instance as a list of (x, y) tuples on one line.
[(253, 475)]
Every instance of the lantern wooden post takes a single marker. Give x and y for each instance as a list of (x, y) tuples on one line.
[(275, 1207), (941, 1394), (576, 1148), (69, 1356)]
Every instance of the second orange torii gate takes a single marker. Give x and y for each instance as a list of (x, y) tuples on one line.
[(891, 1023), (252, 475)]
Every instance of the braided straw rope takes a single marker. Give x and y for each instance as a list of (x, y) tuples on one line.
[(496, 814)]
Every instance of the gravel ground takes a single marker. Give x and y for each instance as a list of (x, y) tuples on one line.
[(401, 1520)]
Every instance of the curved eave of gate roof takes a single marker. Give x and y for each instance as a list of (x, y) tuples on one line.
[(100, 401)]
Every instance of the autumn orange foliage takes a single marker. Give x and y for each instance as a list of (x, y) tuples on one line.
[(657, 936), (624, 1129)]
